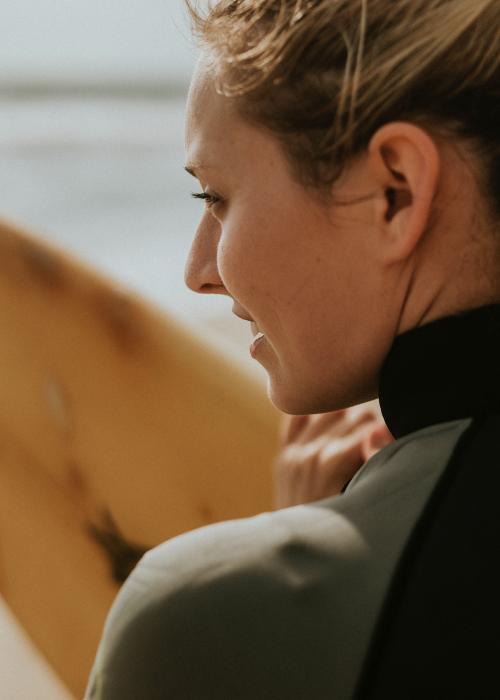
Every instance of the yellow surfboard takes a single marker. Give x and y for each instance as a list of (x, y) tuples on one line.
[(119, 428)]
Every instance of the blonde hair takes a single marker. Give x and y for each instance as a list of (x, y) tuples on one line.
[(324, 75)]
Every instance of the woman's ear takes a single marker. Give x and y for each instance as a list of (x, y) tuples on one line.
[(405, 161)]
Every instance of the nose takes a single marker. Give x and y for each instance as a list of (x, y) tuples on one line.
[(201, 273)]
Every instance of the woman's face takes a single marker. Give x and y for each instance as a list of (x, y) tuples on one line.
[(306, 272)]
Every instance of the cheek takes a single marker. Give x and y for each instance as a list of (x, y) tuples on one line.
[(231, 259), (245, 259)]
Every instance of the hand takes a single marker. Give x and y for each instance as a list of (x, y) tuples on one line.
[(320, 453)]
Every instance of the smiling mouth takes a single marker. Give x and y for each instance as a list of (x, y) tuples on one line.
[(255, 330)]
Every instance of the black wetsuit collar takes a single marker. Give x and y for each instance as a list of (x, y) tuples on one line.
[(442, 371)]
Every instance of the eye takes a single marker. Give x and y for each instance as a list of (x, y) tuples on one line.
[(209, 199)]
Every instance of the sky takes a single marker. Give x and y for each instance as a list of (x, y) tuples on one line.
[(94, 41)]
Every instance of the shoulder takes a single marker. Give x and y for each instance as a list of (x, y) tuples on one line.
[(266, 553), (219, 609), (268, 602)]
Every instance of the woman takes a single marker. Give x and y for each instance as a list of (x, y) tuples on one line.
[(348, 156)]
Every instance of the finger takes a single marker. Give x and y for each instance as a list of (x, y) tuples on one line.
[(357, 419), (291, 427), (286, 475), (335, 470), (342, 458), (339, 426), (364, 411), (341, 422), (320, 423), (378, 410), (373, 406), (375, 439)]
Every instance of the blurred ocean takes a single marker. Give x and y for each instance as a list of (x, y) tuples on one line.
[(104, 178), (71, 43)]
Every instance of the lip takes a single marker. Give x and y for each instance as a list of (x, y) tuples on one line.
[(259, 338)]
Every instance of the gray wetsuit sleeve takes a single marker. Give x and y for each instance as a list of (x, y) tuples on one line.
[(281, 605)]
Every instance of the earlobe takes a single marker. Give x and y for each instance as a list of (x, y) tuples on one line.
[(405, 163)]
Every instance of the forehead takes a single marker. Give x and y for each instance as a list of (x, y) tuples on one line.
[(210, 117), (221, 142), (201, 96), (217, 138)]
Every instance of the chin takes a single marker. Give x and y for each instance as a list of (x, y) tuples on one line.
[(301, 399), (297, 401)]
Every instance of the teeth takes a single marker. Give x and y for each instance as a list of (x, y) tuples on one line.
[(258, 336)]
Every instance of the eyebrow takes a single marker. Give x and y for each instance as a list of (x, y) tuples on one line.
[(193, 169)]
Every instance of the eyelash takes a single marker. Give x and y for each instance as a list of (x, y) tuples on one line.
[(209, 199)]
